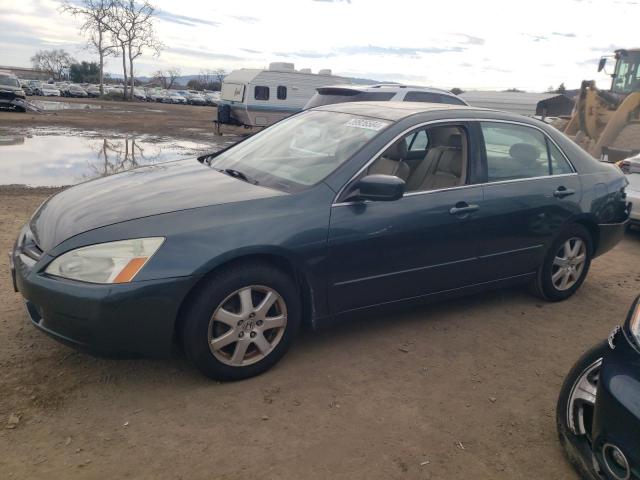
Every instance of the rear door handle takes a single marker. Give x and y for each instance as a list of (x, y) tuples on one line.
[(562, 192), (463, 208)]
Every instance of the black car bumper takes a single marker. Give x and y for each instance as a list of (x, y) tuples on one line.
[(617, 413), (132, 320)]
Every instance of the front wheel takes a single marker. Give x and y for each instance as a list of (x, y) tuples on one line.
[(575, 410), (241, 321), (566, 264)]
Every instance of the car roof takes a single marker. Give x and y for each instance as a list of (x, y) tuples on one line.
[(393, 111), (385, 87)]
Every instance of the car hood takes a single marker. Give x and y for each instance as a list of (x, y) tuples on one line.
[(142, 192)]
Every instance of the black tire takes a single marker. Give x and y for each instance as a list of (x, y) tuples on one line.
[(211, 294), (577, 447), (543, 285)]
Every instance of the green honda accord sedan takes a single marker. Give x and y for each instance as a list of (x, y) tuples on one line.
[(337, 209)]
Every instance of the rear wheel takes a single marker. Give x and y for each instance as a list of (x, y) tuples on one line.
[(241, 321), (566, 264), (575, 410)]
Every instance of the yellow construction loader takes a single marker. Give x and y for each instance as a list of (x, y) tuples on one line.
[(607, 123)]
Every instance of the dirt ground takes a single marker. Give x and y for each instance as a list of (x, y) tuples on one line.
[(464, 389), (185, 122), (458, 390)]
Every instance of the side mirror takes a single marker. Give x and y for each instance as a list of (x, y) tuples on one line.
[(603, 62), (378, 188)]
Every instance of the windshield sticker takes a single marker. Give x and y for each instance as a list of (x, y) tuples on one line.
[(367, 124)]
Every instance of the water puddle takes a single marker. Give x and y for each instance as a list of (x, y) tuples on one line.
[(49, 106), (46, 157)]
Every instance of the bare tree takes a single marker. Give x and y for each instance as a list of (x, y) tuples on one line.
[(54, 62), (172, 74), (166, 79), (132, 27), (220, 74), (211, 79), (160, 77), (95, 16)]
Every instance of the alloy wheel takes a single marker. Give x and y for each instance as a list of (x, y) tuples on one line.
[(582, 399), (247, 325), (568, 263)]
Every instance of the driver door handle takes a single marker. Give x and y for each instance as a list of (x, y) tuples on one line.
[(562, 192), (463, 208)]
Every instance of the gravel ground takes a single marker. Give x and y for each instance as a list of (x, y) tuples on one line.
[(463, 389)]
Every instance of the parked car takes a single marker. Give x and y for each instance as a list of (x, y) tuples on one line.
[(381, 93), (158, 96), (94, 90), (631, 167), (35, 86), (172, 96), (376, 204), (76, 91), (139, 94), (50, 90), (26, 88), (212, 98), (193, 98), (598, 413), (11, 93)]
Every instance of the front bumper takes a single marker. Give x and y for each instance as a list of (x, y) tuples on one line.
[(617, 412), (133, 319)]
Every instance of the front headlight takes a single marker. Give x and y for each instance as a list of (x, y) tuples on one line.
[(634, 321), (112, 262)]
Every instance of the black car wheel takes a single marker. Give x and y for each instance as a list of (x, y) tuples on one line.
[(575, 409), (241, 321), (566, 264)]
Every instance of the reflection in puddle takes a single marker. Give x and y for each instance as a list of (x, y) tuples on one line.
[(56, 160), (47, 105)]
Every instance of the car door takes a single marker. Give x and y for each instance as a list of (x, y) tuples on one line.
[(531, 190), (418, 245)]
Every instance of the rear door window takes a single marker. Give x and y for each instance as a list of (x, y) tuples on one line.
[(518, 152)]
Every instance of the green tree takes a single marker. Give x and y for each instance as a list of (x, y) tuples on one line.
[(82, 72)]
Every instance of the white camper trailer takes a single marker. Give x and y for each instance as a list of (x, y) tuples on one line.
[(258, 98)]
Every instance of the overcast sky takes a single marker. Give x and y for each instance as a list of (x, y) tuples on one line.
[(481, 44)]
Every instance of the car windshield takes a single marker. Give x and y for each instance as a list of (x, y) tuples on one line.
[(9, 80), (299, 151)]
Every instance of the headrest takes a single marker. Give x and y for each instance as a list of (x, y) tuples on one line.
[(440, 136), (397, 151), (455, 140), (524, 151)]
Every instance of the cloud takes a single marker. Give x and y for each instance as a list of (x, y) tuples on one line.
[(190, 52), (375, 50), (333, 1), (471, 40), (246, 19), (567, 35), (248, 50), (305, 54), (398, 51), (184, 20)]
